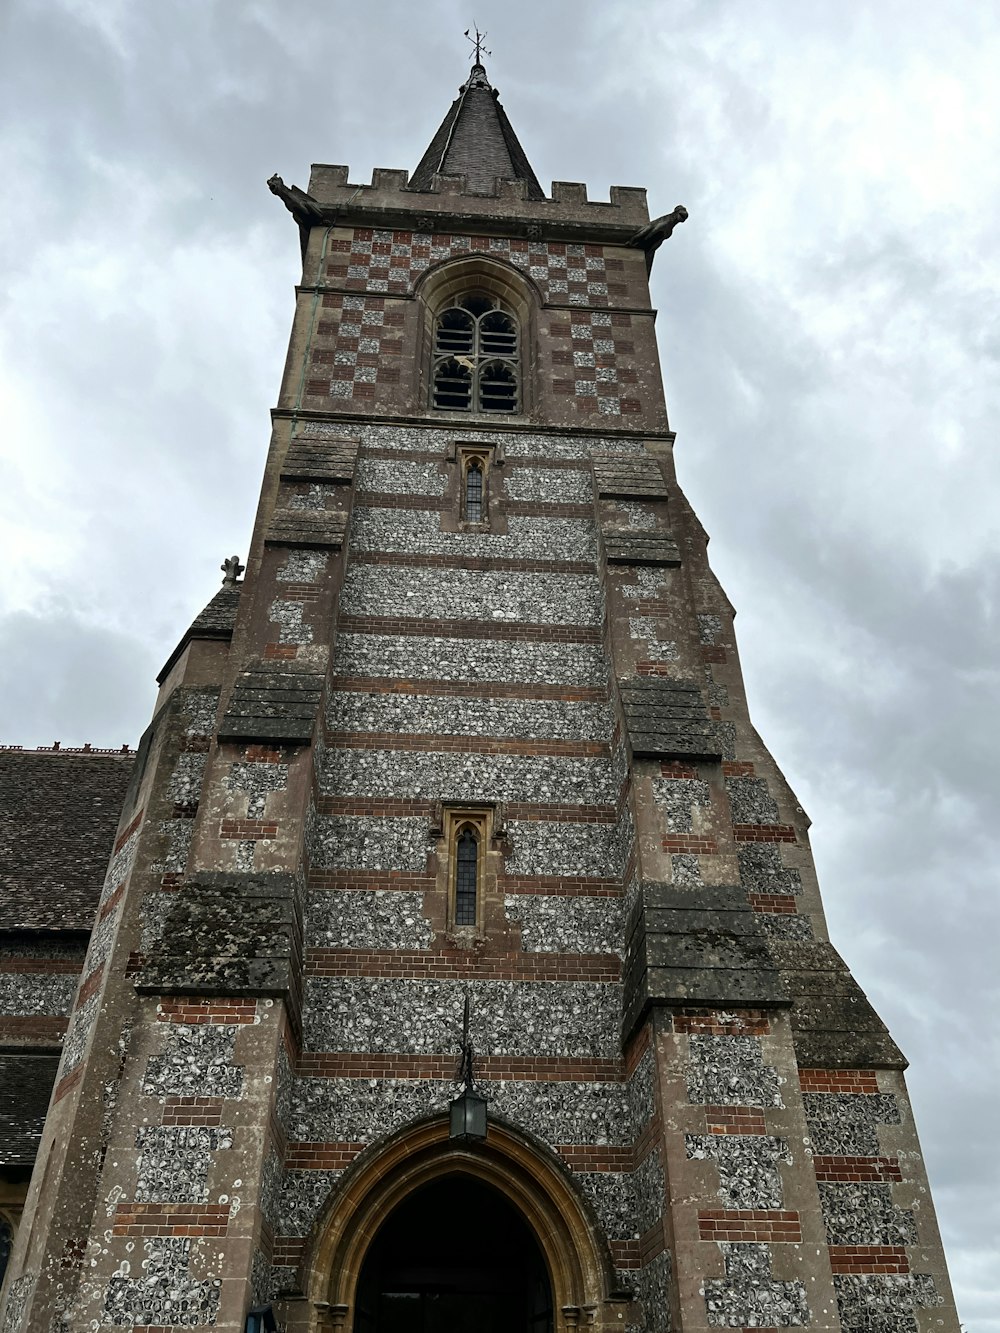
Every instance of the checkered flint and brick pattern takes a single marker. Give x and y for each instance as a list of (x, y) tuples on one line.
[(392, 261), (596, 348), (359, 351), (593, 352)]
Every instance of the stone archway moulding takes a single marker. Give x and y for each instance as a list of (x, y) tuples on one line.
[(578, 1259)]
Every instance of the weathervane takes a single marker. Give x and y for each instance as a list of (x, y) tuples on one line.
[(478, 42)]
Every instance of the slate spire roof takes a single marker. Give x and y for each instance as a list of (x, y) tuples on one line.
[(477, 141)]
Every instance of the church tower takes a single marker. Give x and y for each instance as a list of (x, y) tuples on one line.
[(455, 797)]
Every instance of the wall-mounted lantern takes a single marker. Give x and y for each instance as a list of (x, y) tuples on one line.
[(468, 1111)]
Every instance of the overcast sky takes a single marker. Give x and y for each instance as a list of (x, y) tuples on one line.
[(830, 338)]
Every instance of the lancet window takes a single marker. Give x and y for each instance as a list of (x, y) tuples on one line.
[(466, 877), (476, 357)]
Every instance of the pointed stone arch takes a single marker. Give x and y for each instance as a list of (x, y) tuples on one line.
[(448, 281), (527, 1174)]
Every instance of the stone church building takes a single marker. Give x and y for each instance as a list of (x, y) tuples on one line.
[(454, 796)]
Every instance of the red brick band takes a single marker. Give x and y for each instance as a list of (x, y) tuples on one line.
[(748, 1224), (838, 1080), (508, 563), (869, 1259), (735, 1120), (67, 1084), (524, 1068), (764, 833), (171, 1219), (192, 1010), (444, 964), (433, 744), (47, 966), (571, 886), (243, 829), (591, 1157), (321, 1156), (773, 904), (193, 1110), (491, 689), (690, 842), (469, 629), (885, 1169), (40, 1027), (126, 833)]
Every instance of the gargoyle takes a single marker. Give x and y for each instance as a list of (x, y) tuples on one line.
[(651, 237), (303, 207)]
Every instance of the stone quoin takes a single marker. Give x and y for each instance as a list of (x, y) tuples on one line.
[(471, 728)]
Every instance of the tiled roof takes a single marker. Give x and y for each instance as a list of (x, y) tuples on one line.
[(25, 1087), (477, 141), (58, 816)]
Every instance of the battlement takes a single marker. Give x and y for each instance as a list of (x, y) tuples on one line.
[(389, 193)]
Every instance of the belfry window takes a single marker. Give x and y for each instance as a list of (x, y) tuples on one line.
[(476, 357), (466, 877)]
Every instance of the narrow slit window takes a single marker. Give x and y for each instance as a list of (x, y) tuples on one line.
[(474, 493), (466, 878), (476, 357)]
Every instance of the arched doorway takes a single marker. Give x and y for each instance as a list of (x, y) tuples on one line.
[(454, 1257), (510, 1172)]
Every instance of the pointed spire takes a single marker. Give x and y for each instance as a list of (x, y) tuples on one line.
[(477, 141)]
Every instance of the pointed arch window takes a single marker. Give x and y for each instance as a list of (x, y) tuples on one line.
[(476, 357), (474, 492), (467, 877)]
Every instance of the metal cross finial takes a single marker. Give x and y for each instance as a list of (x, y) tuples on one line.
[(478, 42)]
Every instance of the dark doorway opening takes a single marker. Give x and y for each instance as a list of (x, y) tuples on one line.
[(454, 1257)]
